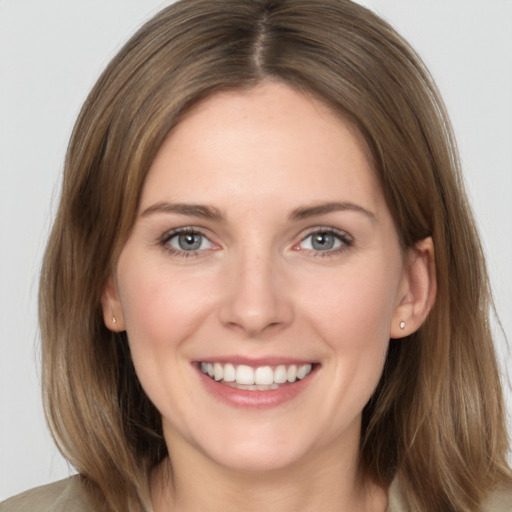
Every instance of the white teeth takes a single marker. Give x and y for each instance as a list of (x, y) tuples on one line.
[(262, 377), (229, 373), (280, 374), (218, 372), (292, 373), (244, 374), (303, 370)]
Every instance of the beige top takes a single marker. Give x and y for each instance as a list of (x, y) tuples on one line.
[(68, 496)]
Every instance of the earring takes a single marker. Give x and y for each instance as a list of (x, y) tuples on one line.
[(402, 325), (113, 319)]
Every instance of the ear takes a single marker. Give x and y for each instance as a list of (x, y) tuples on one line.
[(418, 290), (112, 310)]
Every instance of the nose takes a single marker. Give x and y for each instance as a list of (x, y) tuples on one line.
[(256, 300)]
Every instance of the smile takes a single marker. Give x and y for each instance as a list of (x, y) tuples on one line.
[(260, 378)]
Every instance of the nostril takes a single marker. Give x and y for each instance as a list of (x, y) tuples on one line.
[(255, 299)]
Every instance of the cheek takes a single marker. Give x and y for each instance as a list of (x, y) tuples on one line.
[(353, 319), (352, 316), (162, 311), (356, 307), (160, 308)]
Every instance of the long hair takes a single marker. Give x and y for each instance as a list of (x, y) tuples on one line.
[(436, 418)]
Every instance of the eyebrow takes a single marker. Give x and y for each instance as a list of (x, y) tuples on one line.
[(195, 210), (324, 208), (212, 213)]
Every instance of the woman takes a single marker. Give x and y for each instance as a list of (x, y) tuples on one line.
[(258, 196)]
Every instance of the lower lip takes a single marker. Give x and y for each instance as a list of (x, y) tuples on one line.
[(245, 399)]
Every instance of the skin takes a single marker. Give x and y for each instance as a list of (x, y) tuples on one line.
[(257, 287)]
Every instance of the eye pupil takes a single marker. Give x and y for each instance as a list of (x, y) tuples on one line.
[(189, 241), (322, 241)]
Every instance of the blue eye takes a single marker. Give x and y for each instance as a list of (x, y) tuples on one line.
[(187, 241), (325, 241)]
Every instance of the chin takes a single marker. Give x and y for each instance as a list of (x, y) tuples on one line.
[(257, 460)]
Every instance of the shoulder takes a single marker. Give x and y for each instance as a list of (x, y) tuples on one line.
[(62, 496), (499, 500)]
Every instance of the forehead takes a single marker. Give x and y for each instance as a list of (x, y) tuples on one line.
[(262, 141)]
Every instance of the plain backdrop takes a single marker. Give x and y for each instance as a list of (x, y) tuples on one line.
[(52, 51)]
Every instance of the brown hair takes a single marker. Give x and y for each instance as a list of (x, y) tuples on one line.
[(437, 416)]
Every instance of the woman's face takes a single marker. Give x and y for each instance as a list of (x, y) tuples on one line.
[(263, 249)]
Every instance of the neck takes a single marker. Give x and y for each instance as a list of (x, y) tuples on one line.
[(325, 482)]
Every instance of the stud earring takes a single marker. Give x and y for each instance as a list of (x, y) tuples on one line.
[(402, 325), (114, 319)]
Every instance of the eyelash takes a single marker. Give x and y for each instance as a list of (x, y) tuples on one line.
[(344, 239), (167, 237)]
